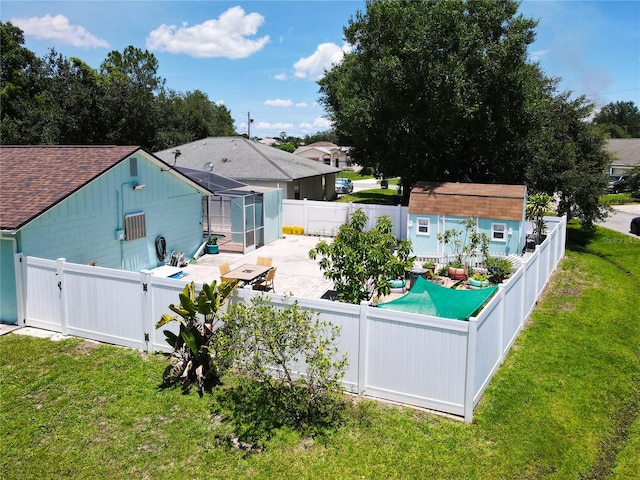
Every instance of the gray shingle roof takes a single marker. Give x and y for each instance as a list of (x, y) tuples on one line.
[(626, 151), (244, 160)]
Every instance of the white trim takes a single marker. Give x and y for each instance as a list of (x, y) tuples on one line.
[(503, 231), (418, 226)]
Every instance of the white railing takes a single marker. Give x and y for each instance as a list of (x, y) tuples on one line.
[(431, 362)]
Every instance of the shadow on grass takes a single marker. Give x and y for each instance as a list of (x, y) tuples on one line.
[(255, 411), (375, 196)]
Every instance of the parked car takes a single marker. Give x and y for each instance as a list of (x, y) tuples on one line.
[(344, 185), (618, 183), (635, 226)]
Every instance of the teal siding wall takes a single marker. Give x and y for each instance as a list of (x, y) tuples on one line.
[(8, 302), (83, 227), (428, 245)]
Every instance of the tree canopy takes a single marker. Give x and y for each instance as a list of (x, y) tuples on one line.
[(58, 100), (444, 91), (619, 120)]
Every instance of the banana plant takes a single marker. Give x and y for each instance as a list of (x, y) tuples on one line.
[(193, 358)]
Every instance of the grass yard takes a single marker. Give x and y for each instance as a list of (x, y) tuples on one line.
[(380, 196), (565, 404)]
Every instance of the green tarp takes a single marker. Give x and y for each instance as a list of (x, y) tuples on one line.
[(427, 298)]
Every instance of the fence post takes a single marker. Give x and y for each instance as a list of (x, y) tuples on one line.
[(64, 321), (472, 336), (146, 310), (362, 347)]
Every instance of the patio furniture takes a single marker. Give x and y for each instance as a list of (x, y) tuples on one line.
[(224, 269), (248, 273), (267, 283), (265, 261)]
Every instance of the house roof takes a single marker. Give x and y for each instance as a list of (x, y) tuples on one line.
[(212, 182), (503, 202), (626, 151), (34, 179), (244, 160)]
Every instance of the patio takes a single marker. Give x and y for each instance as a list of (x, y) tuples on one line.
[(297, 274)]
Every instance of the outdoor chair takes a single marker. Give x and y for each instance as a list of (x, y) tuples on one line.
[(265, 261), (224, 269), (267, 283)]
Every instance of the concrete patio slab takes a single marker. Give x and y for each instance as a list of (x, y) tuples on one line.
[(296, 273)]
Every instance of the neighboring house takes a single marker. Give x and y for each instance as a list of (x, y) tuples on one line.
[(102, 205), (626, 153), (256, 164), (499, 211), (327, 153)]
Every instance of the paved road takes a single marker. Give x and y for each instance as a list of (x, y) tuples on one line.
[(368, 184), (621, 218)]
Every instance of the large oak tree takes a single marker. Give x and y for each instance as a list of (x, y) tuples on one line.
[(443, 91)]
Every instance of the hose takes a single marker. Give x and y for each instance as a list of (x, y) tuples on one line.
[(161, 248)]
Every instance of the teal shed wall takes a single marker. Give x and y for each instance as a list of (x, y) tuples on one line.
[(8, 301), (427, 245), (83, 227)]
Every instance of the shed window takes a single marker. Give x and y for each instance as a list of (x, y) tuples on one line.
[(423, 226), (499, 232)]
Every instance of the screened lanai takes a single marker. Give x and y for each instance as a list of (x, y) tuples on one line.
[(242, 217)]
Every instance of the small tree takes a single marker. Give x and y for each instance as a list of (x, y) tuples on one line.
[(465, 243), (194, 356), (360, 263), (287, 365), (537, 206)]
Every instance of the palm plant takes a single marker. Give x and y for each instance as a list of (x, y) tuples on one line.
[(537, 206)]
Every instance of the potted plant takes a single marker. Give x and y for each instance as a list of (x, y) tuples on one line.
[(437, 279), (212, 245), (456, 270), (479, 279), (430, 266)]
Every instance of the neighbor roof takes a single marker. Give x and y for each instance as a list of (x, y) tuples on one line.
[(504, 202), (244, 160), (626, 151), (35, 178)]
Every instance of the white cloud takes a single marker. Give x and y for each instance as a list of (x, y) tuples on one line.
[(58, 28), (320, 123), (224, 37), (280, 76), (538, 55), (281, 126), (301, 105), (278, 102), (325, 56)]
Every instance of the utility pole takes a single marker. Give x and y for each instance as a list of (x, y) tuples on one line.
[(249, 122)]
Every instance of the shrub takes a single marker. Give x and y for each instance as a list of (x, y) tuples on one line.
[(193, 359), (498, 268), (270, 345)]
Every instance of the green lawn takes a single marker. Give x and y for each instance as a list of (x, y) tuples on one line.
[(379, 196), (564, 405)]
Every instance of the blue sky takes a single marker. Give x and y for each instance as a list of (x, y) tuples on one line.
[(264, 57)]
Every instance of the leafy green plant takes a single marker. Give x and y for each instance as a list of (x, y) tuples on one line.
[(499, 268), (465, 243), (270, 347), (213, 240), (480, 276), (360, 262), (428, 265), (537, 206), (194, 356)]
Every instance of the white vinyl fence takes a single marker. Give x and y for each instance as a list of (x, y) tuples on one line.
[(325, 218), (431, 362)]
